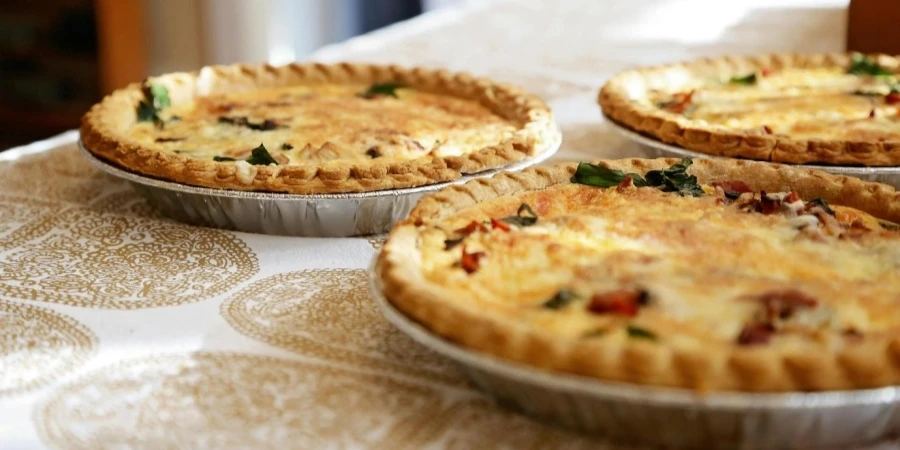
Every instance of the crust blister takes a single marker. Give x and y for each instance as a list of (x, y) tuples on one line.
[(104, 129), (616, 99), (717, 368)]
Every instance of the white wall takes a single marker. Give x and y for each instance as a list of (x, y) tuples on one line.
[(187, 34)]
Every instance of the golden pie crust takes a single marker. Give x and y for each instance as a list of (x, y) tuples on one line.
[(626, 100), (419, 279), (326, 99)]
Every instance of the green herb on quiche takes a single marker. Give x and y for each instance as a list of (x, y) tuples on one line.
[(241, 121), (450, 243), (157, 98), (287, 146), (640, 333), (261, 157), (818, 202), (382, 89), (865, 65), (673, 179), (601, 176), (890, 226), (746, 79), (867, 93), (560, 300), (146, 112), (160, 96), (525, 217)]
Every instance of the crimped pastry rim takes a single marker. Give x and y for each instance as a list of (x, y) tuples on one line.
[(874, 363), (104, 130), (657, 395), (671, 128)]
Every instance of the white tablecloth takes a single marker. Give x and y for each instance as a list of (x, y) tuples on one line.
[(121, 329)]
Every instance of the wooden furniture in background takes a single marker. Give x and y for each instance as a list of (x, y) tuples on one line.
[(122, 42), (873, 26), (59, 57)]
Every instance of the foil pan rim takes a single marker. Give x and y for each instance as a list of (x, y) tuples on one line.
[(658, 145), (540, 156), (651, 395)]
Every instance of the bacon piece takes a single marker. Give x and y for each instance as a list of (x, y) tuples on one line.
[(732, 188), (892, 98), (767, 129), (755, 334), (872, 113), (781, 304), (766, 71), (498, 224), (470, 262), (472, 227), (623, 302), (768, 205)]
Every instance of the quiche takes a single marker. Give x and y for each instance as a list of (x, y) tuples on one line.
[(317, 128), (824, 109), (707, 275)]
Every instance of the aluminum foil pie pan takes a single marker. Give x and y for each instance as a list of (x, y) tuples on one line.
[(656, 149), (664, 417), (321, 215)]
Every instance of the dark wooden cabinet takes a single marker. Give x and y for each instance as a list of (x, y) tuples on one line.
[(58, 57), (873, 26)]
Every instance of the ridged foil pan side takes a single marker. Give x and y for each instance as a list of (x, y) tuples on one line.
[(326, 215), (656, 149), (671, 418)]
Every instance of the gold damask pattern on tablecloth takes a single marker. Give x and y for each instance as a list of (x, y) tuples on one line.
[(235, 401), (57, 175), (92, 242), (80, 257), (38, 346), (327, 313), (377, 241)]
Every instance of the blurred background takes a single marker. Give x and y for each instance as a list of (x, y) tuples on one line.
[(58, 57)]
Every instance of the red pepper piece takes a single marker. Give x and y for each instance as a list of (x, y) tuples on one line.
[(499, 224), (766, 205), (892, 98), (733, 188), (472, 227), (626, 183), (470, 262), (680, 102), (792, 197), (624, 302)]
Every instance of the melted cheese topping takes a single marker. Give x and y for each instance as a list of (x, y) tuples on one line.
[(319, 123), (802, 103), (705, 266)]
